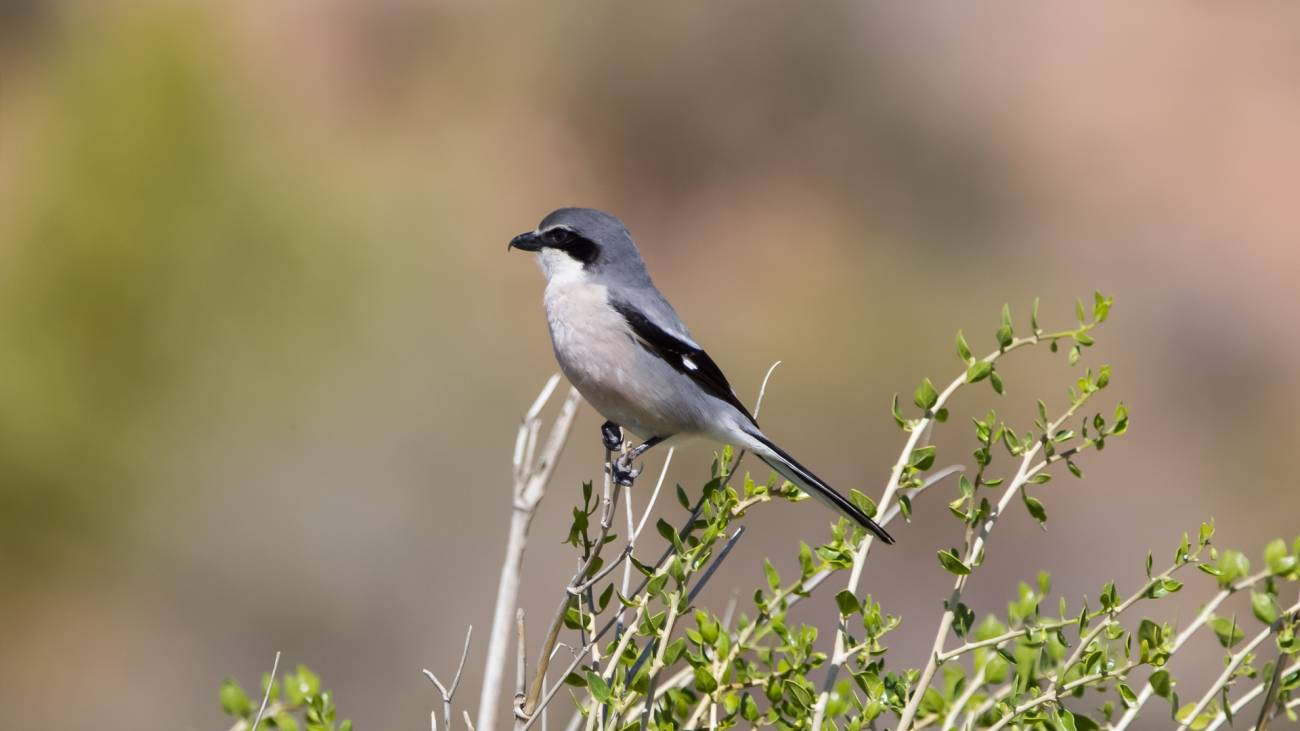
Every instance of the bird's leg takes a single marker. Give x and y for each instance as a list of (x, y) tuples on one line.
[(623, 471), (611, 435)]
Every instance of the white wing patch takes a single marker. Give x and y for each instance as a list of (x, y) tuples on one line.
[(686, 361)]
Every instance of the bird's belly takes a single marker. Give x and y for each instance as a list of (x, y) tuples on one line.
[(600, 356)]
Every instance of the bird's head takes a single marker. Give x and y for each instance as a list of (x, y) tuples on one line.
[(583, 244)]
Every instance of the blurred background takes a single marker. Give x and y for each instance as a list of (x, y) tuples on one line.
[(264, 352)]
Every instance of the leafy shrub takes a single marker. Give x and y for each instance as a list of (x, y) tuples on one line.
[(645, 654)]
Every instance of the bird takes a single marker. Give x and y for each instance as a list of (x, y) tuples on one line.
[(622, 345)]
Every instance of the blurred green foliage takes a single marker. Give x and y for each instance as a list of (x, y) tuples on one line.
[(160, 265), (295, 703)]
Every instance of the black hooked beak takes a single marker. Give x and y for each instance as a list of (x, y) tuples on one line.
[(529, 241)]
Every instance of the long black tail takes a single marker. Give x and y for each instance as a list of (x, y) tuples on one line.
[(789, 468)]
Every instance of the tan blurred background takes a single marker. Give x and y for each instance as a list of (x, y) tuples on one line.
[(263, 351)]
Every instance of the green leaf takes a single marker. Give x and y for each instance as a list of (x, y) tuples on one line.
[(905, 507), (1101, 306), (1277, 559), (668, 532), (1005, 334), (963, 350), (996, 380), (308, 681), (1227, 631), (1084, 723), (234, 701), (925, 395), (1161, 683), (922, 457), (848, 603), (863, 503), (1264, 607), (1036, 509), (898, 414), (978, 371), (599, 688), (1232, 566), (704, 680), (953, 564), (674, 651), (773, 578), (1126, 693), (656, 585), (1033, 316)]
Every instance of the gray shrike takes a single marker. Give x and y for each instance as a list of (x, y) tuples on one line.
[(623, 347)]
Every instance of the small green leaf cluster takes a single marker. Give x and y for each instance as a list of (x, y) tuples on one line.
[(753, 670), (294, 702)]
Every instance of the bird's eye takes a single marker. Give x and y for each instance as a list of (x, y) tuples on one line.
[(556, 236)]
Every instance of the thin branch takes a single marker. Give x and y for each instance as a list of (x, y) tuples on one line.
[(934, 479), (605, 570), (694, 592), (762, 390), (1235, 662), (1270, 696), (267, 695), (974, 548), (684, 531), (1186, 634), (521, 659), (640, 526), (447, 691), (609, 502), (531, 480), (1053, 694)]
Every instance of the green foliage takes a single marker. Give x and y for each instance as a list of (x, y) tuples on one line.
[(294, 702), (1070, 663), (763, 669)]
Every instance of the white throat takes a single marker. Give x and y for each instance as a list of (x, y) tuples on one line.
[(560, 268)]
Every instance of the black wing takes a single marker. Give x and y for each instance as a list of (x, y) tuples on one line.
[(684, 357)]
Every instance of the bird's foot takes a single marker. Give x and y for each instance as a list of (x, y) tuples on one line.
[(611, 435), (623, 471)]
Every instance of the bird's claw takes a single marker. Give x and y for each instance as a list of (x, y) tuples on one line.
[(623, 472), (611, 435)]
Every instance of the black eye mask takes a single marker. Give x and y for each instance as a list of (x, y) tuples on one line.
[(576, 246)]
